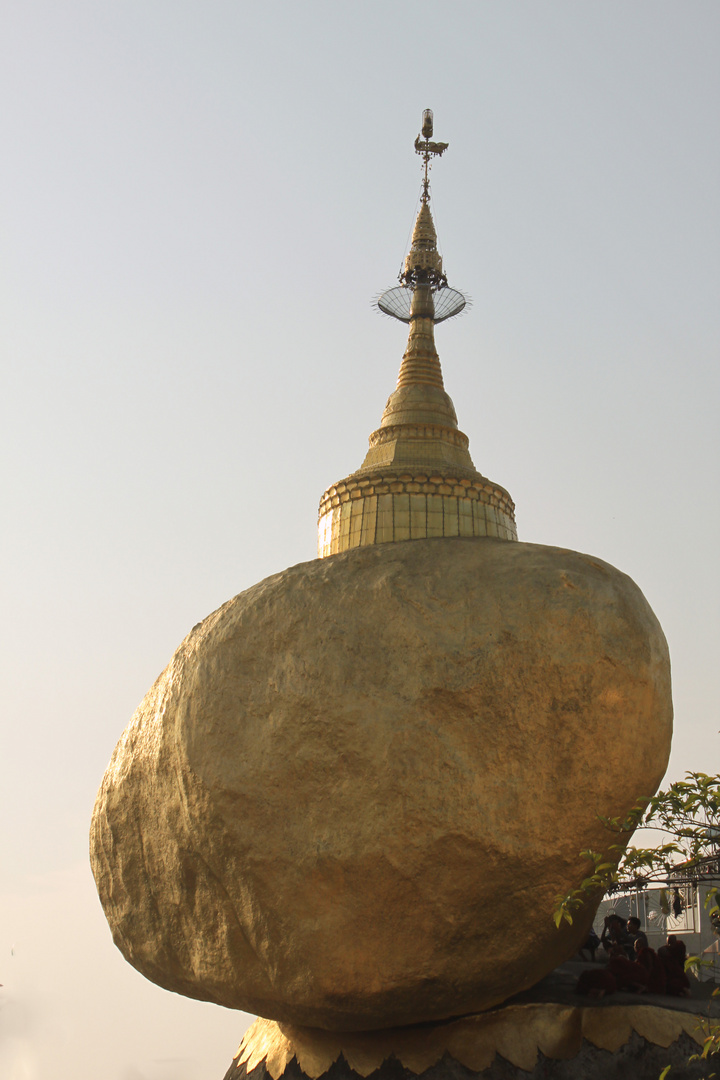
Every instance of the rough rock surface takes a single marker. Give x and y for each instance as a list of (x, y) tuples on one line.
[(352, 796)]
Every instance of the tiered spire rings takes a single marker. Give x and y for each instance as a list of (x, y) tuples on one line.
[(418, 479)]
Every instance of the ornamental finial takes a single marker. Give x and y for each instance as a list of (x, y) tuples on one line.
[(428, 150), (422, 276)]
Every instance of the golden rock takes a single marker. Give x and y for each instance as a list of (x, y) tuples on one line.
[(353, 795)]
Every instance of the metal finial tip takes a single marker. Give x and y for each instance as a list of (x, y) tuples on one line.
[(427, 123)]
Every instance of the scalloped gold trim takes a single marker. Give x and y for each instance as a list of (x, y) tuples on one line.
[(516, 1033)]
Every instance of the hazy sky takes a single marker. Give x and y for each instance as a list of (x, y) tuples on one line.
[(198, 202)]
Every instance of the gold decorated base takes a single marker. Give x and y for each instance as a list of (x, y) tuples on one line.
[(517, 1033)]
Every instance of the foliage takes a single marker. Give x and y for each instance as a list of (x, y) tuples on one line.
[(688, 814), (711, 1042)]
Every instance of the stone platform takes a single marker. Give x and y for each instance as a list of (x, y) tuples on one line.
[(547, 1033)]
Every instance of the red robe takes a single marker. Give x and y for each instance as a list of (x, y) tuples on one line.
[(628, 974), (656, 978), (676, 981)]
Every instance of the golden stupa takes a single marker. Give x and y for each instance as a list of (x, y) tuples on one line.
[(352, 774), (418, 479)]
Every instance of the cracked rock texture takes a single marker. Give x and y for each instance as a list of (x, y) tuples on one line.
[(353, 795)]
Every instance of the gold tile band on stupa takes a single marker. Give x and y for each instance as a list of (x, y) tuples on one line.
[(388, 507)]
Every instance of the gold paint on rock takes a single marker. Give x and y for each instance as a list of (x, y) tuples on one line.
[(347, 775), (516, 1033)]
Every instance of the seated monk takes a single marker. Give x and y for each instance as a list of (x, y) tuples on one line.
[(595, 983), (649, 959), (672, 958), (628, 974), (678, 944)]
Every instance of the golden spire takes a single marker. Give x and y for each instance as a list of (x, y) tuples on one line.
[(423, 257), (418, 479)]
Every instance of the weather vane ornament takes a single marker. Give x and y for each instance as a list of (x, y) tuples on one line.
[(428, 150)]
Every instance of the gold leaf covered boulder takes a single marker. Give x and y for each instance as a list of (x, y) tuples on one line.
[(351, 799), (352, 796)]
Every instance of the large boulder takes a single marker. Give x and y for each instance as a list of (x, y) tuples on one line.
[(353, 795)]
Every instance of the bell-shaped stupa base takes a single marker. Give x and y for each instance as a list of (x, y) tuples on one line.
[(412, 504)]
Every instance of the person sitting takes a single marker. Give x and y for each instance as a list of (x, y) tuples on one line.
[(628, 974), (679, 945), (614, 933), (648, 959), (632, 928), (591, 945), (672, 957), (595, 983)]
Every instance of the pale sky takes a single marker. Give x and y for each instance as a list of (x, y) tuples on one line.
[(198, 202)]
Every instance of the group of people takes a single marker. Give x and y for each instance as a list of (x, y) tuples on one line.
[(632, 965)]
